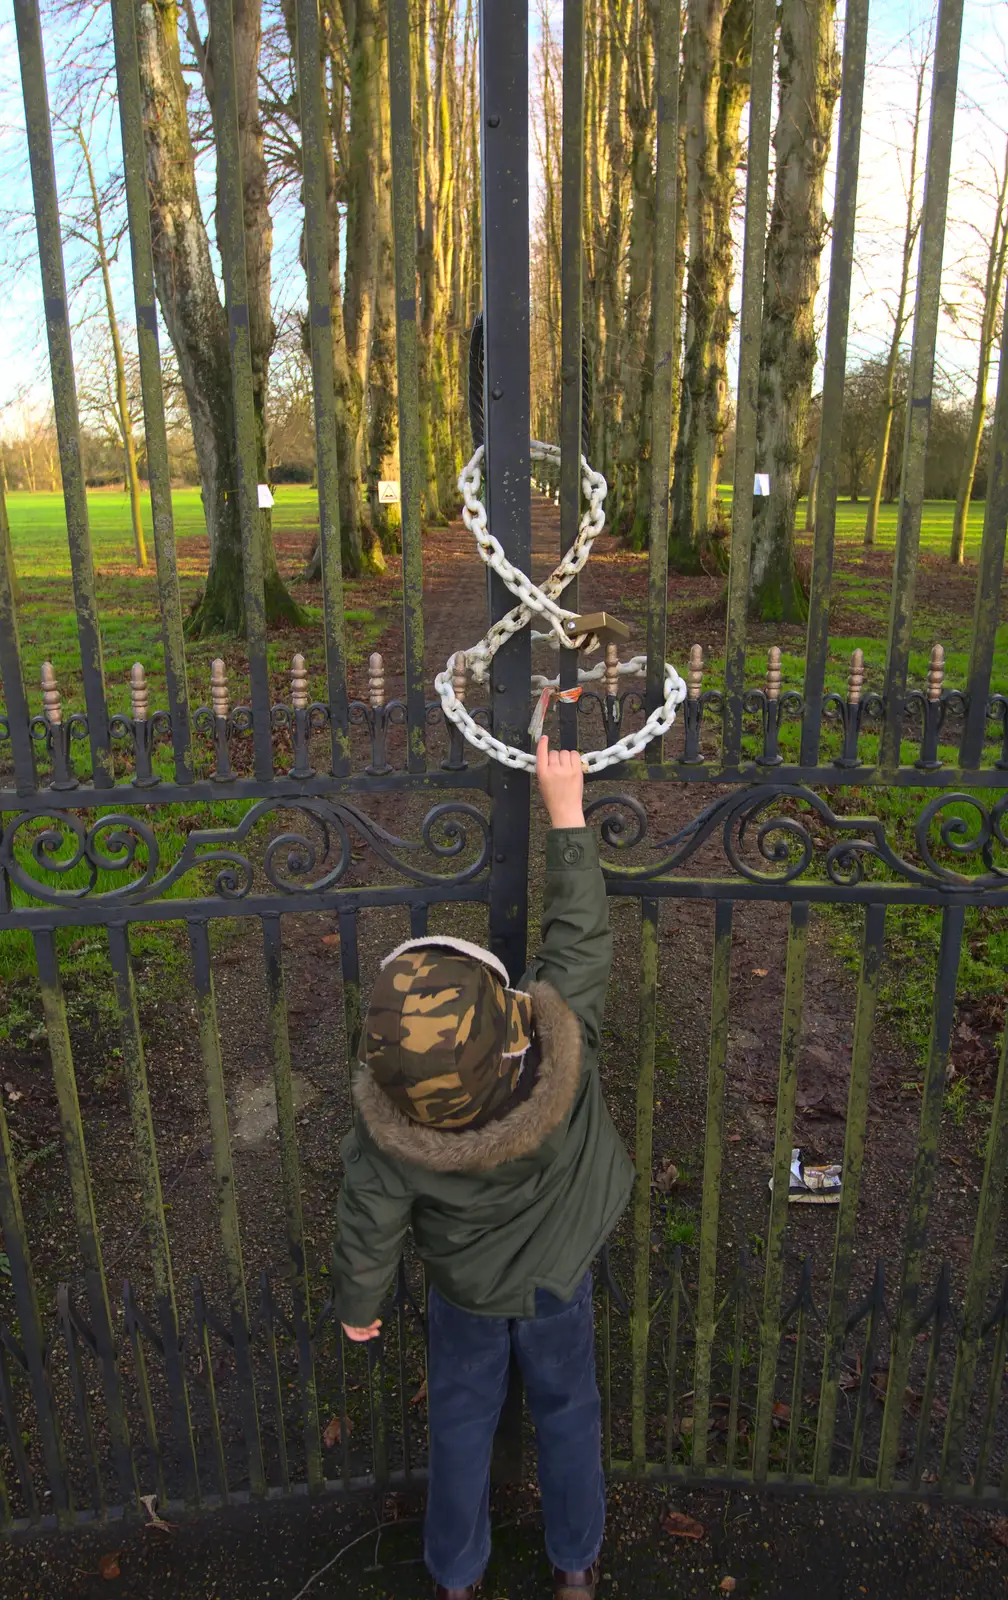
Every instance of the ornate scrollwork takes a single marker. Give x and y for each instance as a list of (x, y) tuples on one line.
[(773, 834), (310, 859), (851, 716), (622, 819), (57, 735)]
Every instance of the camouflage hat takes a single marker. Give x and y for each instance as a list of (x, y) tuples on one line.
[(445, 1038)]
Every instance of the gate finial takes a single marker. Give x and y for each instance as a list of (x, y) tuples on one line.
[(855, 677), (52, 704), (139, 698), (299, 683), (459, 674), (936, 673), (773, 672), (376, 681), (220, 699), (612, 666), (694, 672)]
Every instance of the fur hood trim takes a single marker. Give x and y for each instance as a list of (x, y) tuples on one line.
[(461, 947), (518, 1133)]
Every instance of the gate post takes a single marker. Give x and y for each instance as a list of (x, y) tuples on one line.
[(504, 145)]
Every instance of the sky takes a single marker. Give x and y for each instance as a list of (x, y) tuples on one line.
[(897, 28)]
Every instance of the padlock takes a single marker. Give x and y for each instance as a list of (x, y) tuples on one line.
[(606, 629)]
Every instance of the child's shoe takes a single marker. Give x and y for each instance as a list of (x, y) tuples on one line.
[(575, 1585)]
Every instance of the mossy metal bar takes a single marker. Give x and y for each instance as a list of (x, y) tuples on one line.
[(750, 331), (853, 1160), (989, 1208), (78, 1171), (571, 312), (155, 431), (64, 386), (33, 1339), (290, 1177), (921, 1189), (404, 203), (773, 1277), (841, 265), (666, 345), (148, 1171), (706, 1314), (314, 126), (986, 607), (921, 379), (640, 1316), (11, 671), (227, 1200)]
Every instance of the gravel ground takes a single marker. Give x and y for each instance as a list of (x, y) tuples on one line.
[(780, 1548)]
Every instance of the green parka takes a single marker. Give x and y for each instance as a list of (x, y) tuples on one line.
[(525, 1202)]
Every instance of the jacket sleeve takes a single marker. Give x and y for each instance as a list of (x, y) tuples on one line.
[(372, 1216), (576, 951)]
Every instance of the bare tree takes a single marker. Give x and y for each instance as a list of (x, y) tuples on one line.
[(92, 233), (992, 312), (808, 75), (716, 63), (189, 298), (902, 311)]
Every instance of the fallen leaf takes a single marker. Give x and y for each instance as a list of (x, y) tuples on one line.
[(733, 1138), (331, 939), (999, 1530), (149, 1502), (761, 972), (420, 1395), (13, 1095), (108, 1565), (681, 1526), (667, 1177), (727, 1585), (781, 1411), (334, 1432)]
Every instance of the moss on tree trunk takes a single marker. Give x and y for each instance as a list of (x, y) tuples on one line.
[(808, 83)]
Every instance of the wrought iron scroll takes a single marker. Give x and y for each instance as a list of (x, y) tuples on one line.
[(309, 861), (783, 824)]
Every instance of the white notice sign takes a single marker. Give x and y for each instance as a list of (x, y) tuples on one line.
[(265, 498), (762, 484), (388, 492)]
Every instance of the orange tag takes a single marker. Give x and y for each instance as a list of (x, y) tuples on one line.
[(568, 696)]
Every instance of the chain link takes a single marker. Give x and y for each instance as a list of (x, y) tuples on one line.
[(534, 600)]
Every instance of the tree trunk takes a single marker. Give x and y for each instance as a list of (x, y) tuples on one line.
[(382, 385), (426, 266), (715, 90), (809, 83), (900, 319), (991, 307), (123, 417), (194, 316), (365, 27), (635, 475)]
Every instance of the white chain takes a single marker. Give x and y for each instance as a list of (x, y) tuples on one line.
[(543, 602)]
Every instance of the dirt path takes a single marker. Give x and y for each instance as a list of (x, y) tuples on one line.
[(774, 1549)]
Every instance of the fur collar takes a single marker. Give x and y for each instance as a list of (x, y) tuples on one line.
[(517, 1133)]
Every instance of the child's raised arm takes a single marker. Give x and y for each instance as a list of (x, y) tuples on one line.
[(576, 951)]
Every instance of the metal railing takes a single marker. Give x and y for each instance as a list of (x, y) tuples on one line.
[(212, 1393)]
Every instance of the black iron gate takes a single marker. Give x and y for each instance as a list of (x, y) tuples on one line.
[(206, 1392)]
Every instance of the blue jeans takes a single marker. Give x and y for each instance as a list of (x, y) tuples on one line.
[(467, 1374)]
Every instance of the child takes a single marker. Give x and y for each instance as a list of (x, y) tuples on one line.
[(481, 1125)]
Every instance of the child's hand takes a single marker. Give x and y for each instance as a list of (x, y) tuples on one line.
[(362, 1335), (561, 781)]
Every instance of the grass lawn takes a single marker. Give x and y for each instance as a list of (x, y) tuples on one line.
[(127, 599)]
